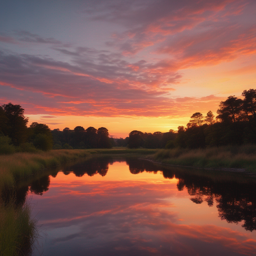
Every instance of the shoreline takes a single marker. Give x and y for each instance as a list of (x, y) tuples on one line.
[(212, 169)]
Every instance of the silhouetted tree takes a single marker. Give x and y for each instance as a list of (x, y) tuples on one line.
[(103, 139), (135, 139), (91, 137), (249, 103), (180, 140), (209, 119), (79, 137), (41, 136), (196, 119), (3, 122), (230, 109), (195, 137), (16, 123)]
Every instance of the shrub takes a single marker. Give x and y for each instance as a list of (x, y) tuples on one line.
[(43, 142), (57, 146), (5, 146), (27, 147), (67, 146), (170, 144)]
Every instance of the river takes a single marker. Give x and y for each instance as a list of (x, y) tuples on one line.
[(128, 206)]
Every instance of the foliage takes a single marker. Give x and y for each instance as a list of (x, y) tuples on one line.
[(27, 147), (14, 123), (215, 157), (236, 124), (5, 145), (230, 109), (43, 142), (17, 230), (82, 138), (67, 146), (196, 119), (148, 140)]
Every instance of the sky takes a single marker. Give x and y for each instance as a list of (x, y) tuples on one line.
[(125, 65)]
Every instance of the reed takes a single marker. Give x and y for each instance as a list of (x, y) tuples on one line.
[(17, 230), (222, 157)]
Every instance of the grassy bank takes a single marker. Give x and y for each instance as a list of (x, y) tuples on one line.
[(21, 165), (222, 157), (122, 151)]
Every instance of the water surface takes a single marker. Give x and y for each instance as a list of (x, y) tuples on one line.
[(133, 207)]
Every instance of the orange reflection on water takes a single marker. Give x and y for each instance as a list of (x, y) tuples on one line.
[(133, 214), (119, 171)]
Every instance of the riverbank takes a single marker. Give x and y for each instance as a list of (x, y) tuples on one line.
[(228, 158), (22, 165)]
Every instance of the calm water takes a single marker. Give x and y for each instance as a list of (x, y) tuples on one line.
[(132, 207)]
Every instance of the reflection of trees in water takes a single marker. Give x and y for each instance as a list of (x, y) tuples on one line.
[(235, 201), (137, 166), (17, 195), (40, 185), (90, 167)]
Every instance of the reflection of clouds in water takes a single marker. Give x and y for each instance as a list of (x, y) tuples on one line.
[(142, 228), (136, 221), (140, 217)]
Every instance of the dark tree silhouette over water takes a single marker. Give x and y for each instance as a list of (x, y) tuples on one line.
[(91, 167)]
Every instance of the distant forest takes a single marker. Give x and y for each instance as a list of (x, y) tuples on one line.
[(235, 124)]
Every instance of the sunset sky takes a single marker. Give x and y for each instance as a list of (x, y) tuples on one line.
[(125, 64)]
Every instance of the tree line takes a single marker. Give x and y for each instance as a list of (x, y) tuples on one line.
[(82, 138), (235, 124), (15, 135)]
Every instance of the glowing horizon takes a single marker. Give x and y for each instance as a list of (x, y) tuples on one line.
[(144, 65)]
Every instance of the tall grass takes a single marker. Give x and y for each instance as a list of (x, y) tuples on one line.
[(21, 165), (222, 157), (17, 230)]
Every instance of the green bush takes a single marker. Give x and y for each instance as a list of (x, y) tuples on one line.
[(43, 142), (67, 146), (57, 146), (27, 147), (5, 146), (170, 144)]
